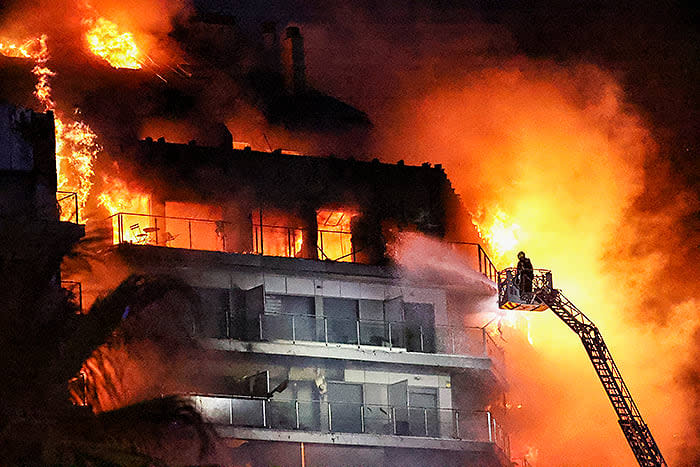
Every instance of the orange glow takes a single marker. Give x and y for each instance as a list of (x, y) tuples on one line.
[(192, 226), (118, 197), (106, 41), (278, 233), (334, 234), (500, 233), (76, 143), (556, 159)]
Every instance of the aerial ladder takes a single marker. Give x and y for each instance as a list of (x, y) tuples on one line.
[(543, 296)]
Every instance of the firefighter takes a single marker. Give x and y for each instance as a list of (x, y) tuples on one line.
[(525, 275)]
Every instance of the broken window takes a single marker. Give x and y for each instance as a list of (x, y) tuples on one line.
[(193, 226), (335, 235), (276, 233)]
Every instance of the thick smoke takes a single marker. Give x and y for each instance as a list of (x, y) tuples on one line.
[(558, 148), (555, 145)]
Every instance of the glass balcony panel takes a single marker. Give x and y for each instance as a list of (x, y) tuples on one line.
[(247, 412), (398, 334), (346, 418), (310, 415), (447, 424), (214, 409), (282, 415), (374, 333), (305, 328), (276, 327), (378, 420), (342, 331)]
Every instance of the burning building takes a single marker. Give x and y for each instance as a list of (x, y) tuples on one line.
[(312, 343), (313, 347)]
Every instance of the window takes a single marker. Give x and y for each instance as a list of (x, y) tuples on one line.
[(335, 234), (277, 233)]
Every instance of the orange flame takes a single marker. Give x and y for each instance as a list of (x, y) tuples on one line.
[(119, 49), (501, 233), (76, 143), (118, 197)]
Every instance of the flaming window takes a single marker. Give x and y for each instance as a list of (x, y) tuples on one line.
[(193, 226), (276, 233), (129, 210), (334, 234)]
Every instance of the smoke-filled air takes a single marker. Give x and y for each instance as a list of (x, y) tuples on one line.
[(549, 157)]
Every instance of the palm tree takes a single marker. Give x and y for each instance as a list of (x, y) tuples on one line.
[(45, 342)]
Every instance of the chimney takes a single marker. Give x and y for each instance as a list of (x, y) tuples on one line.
[(271, 44), (294, 61)]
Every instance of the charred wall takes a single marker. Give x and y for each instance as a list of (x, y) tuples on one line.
[(389, 197)]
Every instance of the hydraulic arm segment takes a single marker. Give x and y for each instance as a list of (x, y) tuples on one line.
[(636, 431)]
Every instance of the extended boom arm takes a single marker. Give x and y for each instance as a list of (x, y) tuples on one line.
[(636, 431)]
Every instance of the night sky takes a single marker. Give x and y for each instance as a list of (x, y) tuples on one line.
[(652, 46)]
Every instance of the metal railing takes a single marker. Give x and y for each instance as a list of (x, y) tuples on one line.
[(340, 417), (454, 340), (512, 289), (281, 240), (67, 202), (481, 261), (177, 232)]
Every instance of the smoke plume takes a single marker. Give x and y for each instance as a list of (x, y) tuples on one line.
[(558, 148)]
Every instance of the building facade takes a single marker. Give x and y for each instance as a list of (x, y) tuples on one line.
[(314, 349)]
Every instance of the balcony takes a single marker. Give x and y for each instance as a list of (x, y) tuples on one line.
[(403, 342), (389, 334), (218, 235), (382, 421), (174, 232), (67, 202)]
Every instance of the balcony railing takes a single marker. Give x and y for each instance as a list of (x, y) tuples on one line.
[(480, 261), (453, 340), (341, 417), (176, 232), (67, 202), (268, 240)]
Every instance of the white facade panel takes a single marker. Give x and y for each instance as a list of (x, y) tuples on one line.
[(300, 286), (372, 291), (275, 284), (330, 288), (350, 290)]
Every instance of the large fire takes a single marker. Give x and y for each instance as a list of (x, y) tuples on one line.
[(557, 161), (501, 234), (118, 197), (106, 41), (76, 143)]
